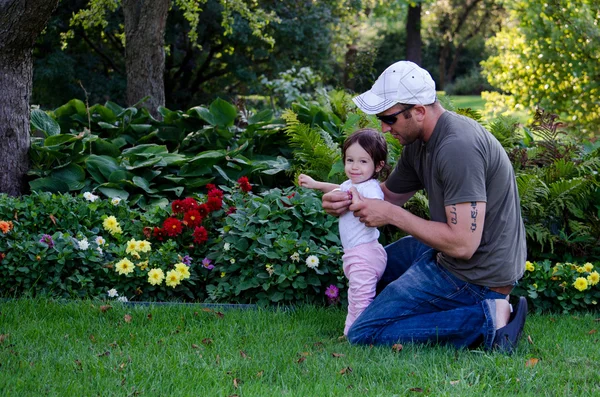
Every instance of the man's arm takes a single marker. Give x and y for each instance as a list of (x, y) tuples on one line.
[(398, 199), (459, 237)]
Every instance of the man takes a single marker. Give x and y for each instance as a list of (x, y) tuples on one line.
[(449, 281)]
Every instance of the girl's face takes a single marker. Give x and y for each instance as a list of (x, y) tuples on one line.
[(359, 166)]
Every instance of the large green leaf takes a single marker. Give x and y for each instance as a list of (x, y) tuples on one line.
[(144, 184), (49, 185), (204, 114), (72, 174), (223, 112), (262, 116), (42, 122), (74, 106), (148, 150), (104, 147), (273, 166), (141, 128), (56, 140), (112, 192), (101, 167), (106, 114)]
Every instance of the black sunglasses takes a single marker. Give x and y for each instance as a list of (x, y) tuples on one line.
[(390, 119)]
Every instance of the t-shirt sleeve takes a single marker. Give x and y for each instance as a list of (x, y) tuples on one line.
[(371, 189), (403, 178), (461, 170)]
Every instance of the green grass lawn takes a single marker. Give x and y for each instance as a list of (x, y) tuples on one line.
[(468, 101), (77, 349)]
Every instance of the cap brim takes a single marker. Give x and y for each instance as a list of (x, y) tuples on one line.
[(371, 103)]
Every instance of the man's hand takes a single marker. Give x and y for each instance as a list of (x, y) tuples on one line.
[(371, 212), (336, 202)]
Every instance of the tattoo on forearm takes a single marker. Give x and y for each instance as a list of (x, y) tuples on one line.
[(453, 216), (473, 216)]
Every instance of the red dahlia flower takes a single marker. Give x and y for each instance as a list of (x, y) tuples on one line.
[(177, 207), (244, 184), (192, 218), (214, 203), (172, 226), (189, 204), (200, 234), (159, 234), (203, 210)]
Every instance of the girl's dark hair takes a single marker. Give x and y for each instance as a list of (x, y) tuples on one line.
[(374, 144)]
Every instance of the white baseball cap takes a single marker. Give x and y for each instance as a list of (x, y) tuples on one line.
[(403, 82)]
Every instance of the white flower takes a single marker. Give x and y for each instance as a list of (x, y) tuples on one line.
[(232, 261), (226, 246), (112, 293), (295, 257), (312, 261), (99, 250), (115, 200), (83, 244), (100, 241), (122, 299), (90, 197)]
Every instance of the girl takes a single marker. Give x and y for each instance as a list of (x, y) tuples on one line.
[(364, 156)]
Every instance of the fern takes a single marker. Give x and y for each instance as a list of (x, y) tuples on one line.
[(314, 150), (505, 129)]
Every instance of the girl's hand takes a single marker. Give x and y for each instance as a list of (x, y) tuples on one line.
[(306, 181)]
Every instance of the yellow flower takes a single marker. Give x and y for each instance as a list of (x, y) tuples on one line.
[(535, 285), (183, 269), (580, 269), (593, 278), (135, 255), (124, 266), (156, 276), (588, 267), (581, 284), (529, 266), (143, 265), (143, 246), (112, 225), (131, 246), (173, 278), (222, 274)]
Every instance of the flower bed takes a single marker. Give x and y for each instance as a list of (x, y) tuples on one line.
[(229, 245)]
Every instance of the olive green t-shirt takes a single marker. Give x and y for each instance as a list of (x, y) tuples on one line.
[(461, 163)]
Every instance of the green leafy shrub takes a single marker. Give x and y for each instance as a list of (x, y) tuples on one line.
[(63, 246), (559, 188), (126, 153), (278, 246), (561, 286)]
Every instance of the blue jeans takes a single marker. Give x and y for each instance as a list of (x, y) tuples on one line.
[(420, 301)]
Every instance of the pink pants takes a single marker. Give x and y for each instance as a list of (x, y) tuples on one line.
[(363, 266)]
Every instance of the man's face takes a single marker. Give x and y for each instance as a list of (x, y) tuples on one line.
[(404, 127)]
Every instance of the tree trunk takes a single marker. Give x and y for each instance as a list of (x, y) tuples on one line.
[(145, 22), (21, 21), (413, 34)]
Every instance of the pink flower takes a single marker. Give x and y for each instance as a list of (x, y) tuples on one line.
[(207, 264), (332, 292)]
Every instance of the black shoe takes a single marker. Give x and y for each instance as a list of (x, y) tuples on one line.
[(507, 337)]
